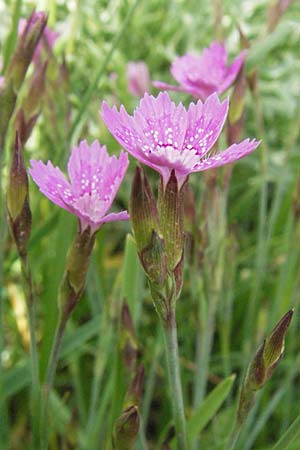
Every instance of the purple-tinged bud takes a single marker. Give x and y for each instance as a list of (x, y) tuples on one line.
[(134, 393), (263, 365), (17, 69), (126, 429), (154, 261), (28, 113), (19, 214), (128, 344), (138, 78), (143, 210), (145, 224), (23, 54), (74, 278), (171, 219)]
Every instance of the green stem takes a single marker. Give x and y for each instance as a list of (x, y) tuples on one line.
[(51, 369), (34, 361), (171, 348), (234, 437)]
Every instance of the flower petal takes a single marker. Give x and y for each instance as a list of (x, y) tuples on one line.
[(161, 122), (113, 217), (231, 154), (205, 122), (232, 72), (52, 183), (86, 166)]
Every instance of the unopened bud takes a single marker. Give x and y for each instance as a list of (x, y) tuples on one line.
[(134, 393), (77, 264), (171, 218), (126, 429), (153, 259), (143, 210), (128, 342), (263, 365), (32, 101), (28, 113), (19, 214), (23, 54), (144, 218)]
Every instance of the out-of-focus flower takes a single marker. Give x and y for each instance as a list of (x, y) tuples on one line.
[(47, 40), (95, 178), (201, 75), (167, 137), (138, 78)]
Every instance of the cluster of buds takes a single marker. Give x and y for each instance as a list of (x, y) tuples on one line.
[(158, 230), (263, 365)]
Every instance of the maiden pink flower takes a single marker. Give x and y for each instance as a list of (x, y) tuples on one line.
[(138, 78), (167, 137), (95, 178), (201, 75)]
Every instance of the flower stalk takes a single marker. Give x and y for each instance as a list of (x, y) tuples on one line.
[(158, 231), (70, 292), (19, 219), (171, 348)]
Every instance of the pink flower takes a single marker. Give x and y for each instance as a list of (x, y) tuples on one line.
[(204, 74), (47, 40), (95, 178), (167, 137), (138, 78)]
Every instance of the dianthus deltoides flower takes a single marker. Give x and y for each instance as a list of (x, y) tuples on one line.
[(95, 178), (167, 137), (201, 75)]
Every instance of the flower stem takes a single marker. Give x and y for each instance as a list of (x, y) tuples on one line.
[(234, 437), (34, 361), (171, 348), (51, 369)]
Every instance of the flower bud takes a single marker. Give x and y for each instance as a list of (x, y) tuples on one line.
[(19, 214), (263, 365), (126, 429), (134, 393), (23, 54), (171, 218), (28, 113), (143, 210), (144, 218), (17, 68), (73, 282)]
